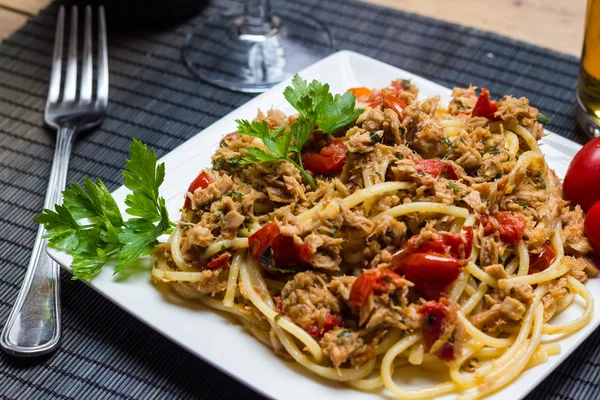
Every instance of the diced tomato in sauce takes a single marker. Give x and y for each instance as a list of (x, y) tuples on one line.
[(485, 107), (510, 227), (278, 306), (331, 321), (269, 248), (221, 261), (330, 158), (395, 103), (201, 181), (436, 167), (435, 314), (539, 262), (373, 280)]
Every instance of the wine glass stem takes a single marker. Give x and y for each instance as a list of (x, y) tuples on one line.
[(258, 19)]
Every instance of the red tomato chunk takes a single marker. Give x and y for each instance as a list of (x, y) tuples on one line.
[(270, 249), (485, 107), (201, 181), (373, 280)]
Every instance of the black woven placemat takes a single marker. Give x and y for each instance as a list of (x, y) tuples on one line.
[(105, 353)]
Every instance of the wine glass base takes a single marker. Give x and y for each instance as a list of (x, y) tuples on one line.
[(221, 53), (587, 121)]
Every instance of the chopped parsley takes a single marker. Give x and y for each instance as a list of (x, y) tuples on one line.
[(375, 138), (343, 334), (543, 119)]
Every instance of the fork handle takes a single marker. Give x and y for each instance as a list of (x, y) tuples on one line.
[(33, 327)]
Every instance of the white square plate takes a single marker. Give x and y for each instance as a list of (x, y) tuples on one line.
[(215, 338)]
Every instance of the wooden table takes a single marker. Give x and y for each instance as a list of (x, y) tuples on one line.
[(555, 24)]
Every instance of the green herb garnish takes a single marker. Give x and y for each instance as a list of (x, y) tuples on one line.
[(317, 108), (543, 119), (90, 227)]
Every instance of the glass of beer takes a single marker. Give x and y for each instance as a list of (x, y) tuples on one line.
[(588, 86)]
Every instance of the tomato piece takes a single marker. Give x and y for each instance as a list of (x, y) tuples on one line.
[(398, 84), (485, 107), (510, 227), (278, 306), (220, 261), (433, 326), (591, 226), (539, 262), (450, 172), (331, 158), (395, 103), (457, 245), (584, 168), (377, 280), (359, 92), (270, 249), (430, 272), (331, 321), (201, 181), (432, 167)]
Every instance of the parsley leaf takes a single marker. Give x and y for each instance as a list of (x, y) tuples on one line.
[(317, 108), (543, 119), (335, 112), (89, 224)]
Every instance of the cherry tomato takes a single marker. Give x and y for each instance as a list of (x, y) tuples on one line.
[(433, 326), (376, 279), (580, 185), (201, 181), (395, 103), (330, 158), (485, 107), (591, 226), (220, 261), (430, 272), (539, 262), (270, 249), (359, 92), (510, 227)]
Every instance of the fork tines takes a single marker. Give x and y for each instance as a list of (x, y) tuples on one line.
[(69, 94)]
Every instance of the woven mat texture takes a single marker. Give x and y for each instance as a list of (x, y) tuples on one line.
[(105, 353)]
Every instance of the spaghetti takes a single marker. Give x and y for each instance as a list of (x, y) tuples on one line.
[(439, 241)]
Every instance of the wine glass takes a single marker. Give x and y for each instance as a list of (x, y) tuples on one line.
[(253, 51)]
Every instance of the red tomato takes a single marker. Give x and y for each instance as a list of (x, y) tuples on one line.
[(331, 321), (510, 227), (269, 249), (430, 272), (433, 326), (457, 245), (485, 107), (278, 306), (360, 91), (330, 158), (539, 262), (219, 262), (591, 226), (584, 169), (432, 167), (201, 181), (395, 103), (371, 280)]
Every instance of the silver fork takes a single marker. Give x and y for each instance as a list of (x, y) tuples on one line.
[(33, 327)]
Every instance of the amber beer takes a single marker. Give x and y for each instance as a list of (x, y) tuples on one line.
[(588, 87)]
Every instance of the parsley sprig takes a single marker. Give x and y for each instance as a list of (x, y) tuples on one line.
[(317, 108), (89, 224)]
